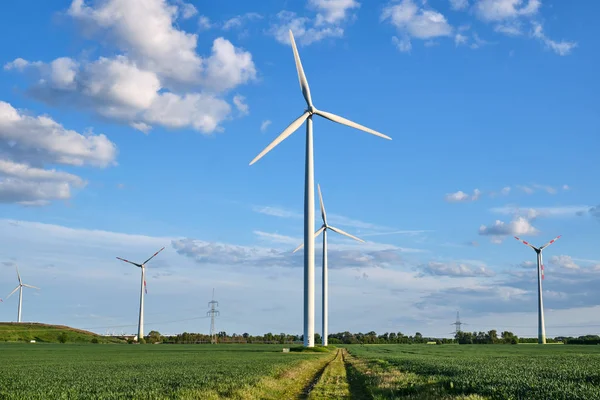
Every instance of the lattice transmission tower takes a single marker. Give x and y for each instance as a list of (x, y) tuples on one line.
[(458, 324), (213, 313)]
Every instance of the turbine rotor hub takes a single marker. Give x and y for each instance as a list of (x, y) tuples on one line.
[(311, 110)]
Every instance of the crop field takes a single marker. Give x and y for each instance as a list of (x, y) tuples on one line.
[(474, 372), (491, 371), (61, 371)]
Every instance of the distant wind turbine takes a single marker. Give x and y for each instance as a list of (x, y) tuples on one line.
[(309, 189), (324, 228), (142, 290), (540, 278), (20, 289)]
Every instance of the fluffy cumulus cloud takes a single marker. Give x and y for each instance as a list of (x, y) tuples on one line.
[(413, 21), (28, 145), (327, 22), (158, 79), (459, 4), (500, 229)]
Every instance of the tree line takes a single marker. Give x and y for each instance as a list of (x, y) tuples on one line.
[(489, 337)]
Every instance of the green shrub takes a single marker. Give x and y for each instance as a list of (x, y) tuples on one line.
[(95, 340), (63, 337)]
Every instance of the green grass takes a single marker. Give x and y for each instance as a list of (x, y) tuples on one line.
[(491, 371), (44, 333), (51, 371)]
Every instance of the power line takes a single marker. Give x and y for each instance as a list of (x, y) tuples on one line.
[(458, 324)]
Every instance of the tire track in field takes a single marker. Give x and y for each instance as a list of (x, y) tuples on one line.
[(306, 391)]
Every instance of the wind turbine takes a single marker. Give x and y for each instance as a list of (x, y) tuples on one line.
[(142, 290), (324, 229), (20, 289), (540, 278), (309, 189)]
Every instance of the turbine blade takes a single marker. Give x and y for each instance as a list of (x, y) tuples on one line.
[(300, 70), (317, 233), (322, 204), (525, 243), (287, 132), (153, 255), (130, 262), (550, 242), (13, 292), (347, 122), (341, 232), (30, 286), (18, 275)]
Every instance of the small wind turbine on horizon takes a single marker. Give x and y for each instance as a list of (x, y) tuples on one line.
[(142, 290), (540, 278), (20, 289), (309, 189), (323, 229)]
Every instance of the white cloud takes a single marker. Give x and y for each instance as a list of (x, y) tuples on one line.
[(264, 125), (460, 39), (240, 104), (29, 143), (404, 45), (412, 21), (536, 212), (461, 197), (332, 11), (159, 60), (517, 227), (239, 20), (228, 66), (187, 10), (327, 23), (276, 212), (149, 37), (140, 126), (563, 261), (505, 190), (459, 4), (528, 264), (204, 23), (498, 10), (510, 28), (561, 48), (456, 269)]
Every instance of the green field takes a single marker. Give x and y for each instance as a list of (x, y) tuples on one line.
[(110, 371), (493, 371), (51, 371), (44, 333)]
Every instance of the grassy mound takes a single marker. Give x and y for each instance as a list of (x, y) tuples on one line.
[(44, 333)]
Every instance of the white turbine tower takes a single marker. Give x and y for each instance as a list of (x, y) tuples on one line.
[(324, 228), (142, 290), (540, 278), (309, 190), (20, 289)]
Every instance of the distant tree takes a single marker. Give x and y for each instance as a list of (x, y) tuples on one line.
[(154, 337), (95, 340), (62, 338)]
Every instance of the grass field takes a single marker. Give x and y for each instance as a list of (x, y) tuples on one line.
[(50, 371), (24, 332), (491, 371), (61, 371)]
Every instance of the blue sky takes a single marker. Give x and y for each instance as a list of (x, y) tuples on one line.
[(125, 128)]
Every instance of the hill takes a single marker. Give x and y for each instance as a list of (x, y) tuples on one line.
[(44, 333)]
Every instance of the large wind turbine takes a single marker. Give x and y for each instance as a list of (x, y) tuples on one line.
[(142, 290), (540, 278), (309, 190), (20, 289), (324, 229)]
